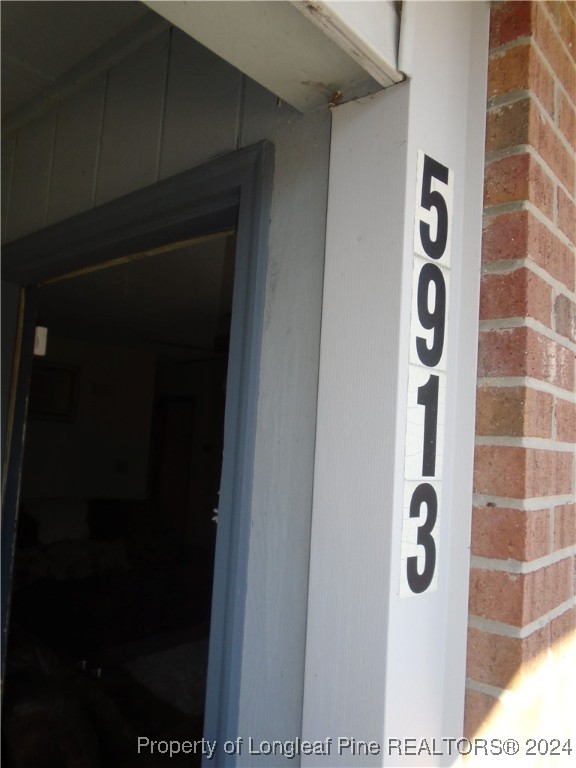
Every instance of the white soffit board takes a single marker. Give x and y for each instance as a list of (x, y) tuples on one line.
[(367, 31), (308, 56)]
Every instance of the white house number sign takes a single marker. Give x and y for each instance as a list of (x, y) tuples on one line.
[(426, 408)]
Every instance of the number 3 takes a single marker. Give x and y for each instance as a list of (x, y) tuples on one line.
[(423, 494)]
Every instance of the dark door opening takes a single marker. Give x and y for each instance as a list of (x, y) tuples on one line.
[(114, 561)]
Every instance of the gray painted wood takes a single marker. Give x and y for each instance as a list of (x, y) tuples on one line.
[(203, 103), (12, 466), (173, 210), (202, 119), (132, 127), (70, 79), (275, 628), (264, 114), (31, 177), (76, 149)]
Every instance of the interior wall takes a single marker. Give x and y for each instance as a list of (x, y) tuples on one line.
[(168, 107), (204, 382), (10, 303), (102, 452)]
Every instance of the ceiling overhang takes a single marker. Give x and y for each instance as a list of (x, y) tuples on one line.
[(306, 52)]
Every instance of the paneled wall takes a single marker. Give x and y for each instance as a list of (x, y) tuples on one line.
[(168, 107), (103, 451)]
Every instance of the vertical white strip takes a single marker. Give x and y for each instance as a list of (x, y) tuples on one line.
[(378, 667), (367, 285)]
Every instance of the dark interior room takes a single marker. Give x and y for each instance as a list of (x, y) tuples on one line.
[(114, 561)]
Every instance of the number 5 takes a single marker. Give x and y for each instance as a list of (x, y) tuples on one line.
[(432, 198)]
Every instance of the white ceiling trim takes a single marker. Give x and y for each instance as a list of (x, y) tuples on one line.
[(369, 32), (307, 53)]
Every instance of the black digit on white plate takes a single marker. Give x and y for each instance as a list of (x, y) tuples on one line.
[(428, 397), (433, 199), (423, 496), (423, 465), (431, 319)]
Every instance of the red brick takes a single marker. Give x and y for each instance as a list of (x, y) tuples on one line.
[(546, 250), (565, 317), (497, 595), (520, 235), (508, 125), (478, 709), (565, 421), (563, 627), (515, 294), (508, 70), (521, 473), (564, 526), (518, 178), (513, 411), (510, 534), (496, 660), (567, 218), (553, 10), (548, 588), (521, 68), (520, 599), (567, 28), (541, 81), (505, 237), (554, 51), (524, 352), (550, 148), (509, 21), (567, 119), (522, 122)]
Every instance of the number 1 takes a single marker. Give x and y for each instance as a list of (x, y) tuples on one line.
[(428, 397)]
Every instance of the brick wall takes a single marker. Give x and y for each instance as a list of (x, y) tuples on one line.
[(521, 650)]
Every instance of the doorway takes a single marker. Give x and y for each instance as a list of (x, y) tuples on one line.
[(227, 193), (116, 537)]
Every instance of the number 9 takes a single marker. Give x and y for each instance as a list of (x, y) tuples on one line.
[(431, 320)]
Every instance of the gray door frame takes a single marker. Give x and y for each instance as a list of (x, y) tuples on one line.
[(233, 191)]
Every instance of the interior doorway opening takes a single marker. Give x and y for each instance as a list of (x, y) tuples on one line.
[(114, 562)]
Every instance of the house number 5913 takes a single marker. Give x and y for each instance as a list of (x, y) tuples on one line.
[(427, 376)]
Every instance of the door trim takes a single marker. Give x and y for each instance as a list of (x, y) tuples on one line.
[(232, 191), (13, 448)]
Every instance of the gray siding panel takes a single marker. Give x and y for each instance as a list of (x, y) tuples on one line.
[(31, 176), (133, 122), (274, 642), (264, 114), (202, 106), (161, 119), (76, 152)]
